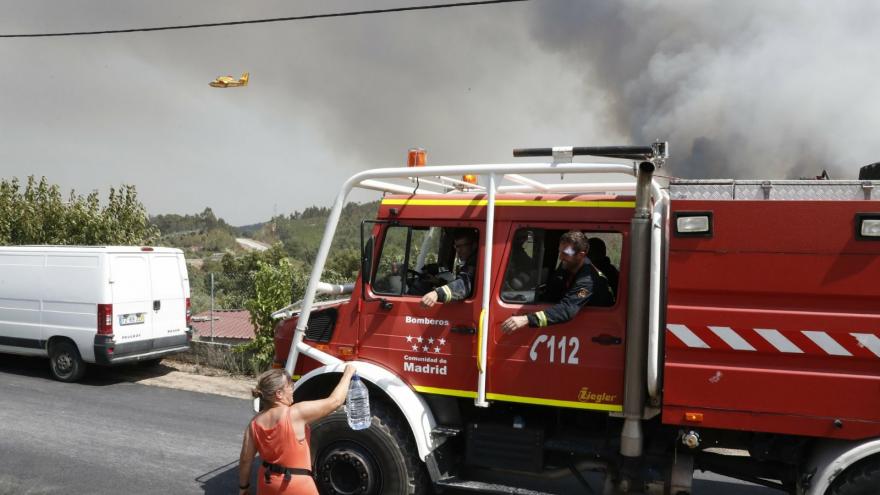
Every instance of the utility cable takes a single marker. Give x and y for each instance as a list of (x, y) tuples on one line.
[(262, 21)]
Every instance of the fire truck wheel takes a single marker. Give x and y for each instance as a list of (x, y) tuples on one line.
[(381, 459), (65, 362), (870, 172), (862, 478)]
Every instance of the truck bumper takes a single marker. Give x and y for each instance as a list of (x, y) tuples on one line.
[(110, 353)]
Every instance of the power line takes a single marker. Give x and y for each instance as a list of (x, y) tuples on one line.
[(262, 21)]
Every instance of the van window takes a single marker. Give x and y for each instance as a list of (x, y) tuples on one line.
[(416, 260), (534, 257), (166, 277), (131, 279)]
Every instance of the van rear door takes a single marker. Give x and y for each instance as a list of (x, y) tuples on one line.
[(130, 287), (169, 292)]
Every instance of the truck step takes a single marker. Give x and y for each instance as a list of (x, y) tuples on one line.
[(483, 487), (445, 431), (576, 445)]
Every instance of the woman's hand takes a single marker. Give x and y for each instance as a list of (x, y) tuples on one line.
[(349, 371)]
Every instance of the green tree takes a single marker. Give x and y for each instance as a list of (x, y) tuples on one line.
[(274, 285), (346, 263), (234, 285), (37, 214)]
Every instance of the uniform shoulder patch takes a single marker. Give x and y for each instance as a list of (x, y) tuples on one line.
[(583, 293)]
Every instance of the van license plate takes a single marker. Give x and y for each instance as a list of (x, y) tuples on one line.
[(131, 319)]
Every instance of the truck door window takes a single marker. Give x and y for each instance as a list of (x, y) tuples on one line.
[(415, 260), (390, 270), (534, 257)]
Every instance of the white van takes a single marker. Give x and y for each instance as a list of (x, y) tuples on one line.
[(106, 305)]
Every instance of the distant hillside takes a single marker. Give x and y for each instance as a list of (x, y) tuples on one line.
[(301, 232), (249, 230), (202, 233)]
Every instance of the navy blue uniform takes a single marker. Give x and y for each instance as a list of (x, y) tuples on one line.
[(573, 291)]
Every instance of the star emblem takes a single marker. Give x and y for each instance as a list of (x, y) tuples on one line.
[(409, 338), (442, 341), (425, 348), (431, 340), (419, 339), (415, 347), (437, 350)]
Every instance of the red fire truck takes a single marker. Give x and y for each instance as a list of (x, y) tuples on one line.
[(743, 339)]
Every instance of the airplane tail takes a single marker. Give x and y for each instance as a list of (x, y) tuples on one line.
[(244, 78)]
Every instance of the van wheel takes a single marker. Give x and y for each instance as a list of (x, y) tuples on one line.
[(381, 459), (862, 478), (65, 363)]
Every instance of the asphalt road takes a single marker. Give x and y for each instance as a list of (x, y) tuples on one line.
[(107, 435), (251, 244)]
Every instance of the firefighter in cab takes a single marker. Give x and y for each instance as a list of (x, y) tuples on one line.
[(465, 251), (575, 283)]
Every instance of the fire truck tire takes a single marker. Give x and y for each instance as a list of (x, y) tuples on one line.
[(65, 362), (870, 172), (381, 459), (862, 478)]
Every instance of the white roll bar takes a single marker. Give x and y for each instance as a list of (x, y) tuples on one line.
[(483, 327), (588, 187)]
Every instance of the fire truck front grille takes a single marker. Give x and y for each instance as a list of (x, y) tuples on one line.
[(500, 446), (321, 324)]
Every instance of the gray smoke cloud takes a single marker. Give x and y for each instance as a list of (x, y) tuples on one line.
[(326, 98), (740, 89), (746, 89)]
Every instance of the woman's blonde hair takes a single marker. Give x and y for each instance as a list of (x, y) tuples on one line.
[(267, 384)]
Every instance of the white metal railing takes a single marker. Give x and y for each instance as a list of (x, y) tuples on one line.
[(376, 179)]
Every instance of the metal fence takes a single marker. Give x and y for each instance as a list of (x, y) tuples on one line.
[(219, 355)]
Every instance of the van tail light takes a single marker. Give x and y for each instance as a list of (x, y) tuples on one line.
[(105, 319), (189, 312)]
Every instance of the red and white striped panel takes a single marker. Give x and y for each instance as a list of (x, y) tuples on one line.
[(752, 339)]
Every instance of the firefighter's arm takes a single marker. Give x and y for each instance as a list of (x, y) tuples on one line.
[(458, 289), (246, 461), (566, 309)]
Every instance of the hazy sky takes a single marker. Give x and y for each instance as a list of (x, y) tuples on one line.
[(740, 89)]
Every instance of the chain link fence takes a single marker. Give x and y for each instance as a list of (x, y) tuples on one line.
[(221, 356)]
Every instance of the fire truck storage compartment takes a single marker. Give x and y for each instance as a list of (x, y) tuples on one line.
[(773, 320)]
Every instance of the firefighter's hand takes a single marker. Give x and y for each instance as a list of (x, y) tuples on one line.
[(429, 299), (514, 323)]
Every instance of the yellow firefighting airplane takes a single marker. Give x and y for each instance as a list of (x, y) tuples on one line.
[(229, 81)]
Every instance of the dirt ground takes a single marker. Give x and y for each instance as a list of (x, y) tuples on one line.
[(195, 378)]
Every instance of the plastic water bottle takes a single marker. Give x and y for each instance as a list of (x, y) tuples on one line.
[(357, 405)]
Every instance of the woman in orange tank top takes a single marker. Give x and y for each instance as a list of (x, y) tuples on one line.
[(280, 434)]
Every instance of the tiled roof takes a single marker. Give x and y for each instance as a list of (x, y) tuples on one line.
[(232, 324)]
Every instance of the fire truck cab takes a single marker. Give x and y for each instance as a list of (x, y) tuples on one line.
[(743, 336)]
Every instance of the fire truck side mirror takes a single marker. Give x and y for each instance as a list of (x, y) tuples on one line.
[(367, 259)]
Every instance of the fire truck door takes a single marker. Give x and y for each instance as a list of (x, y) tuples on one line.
[(577, 364), (431, 348)]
